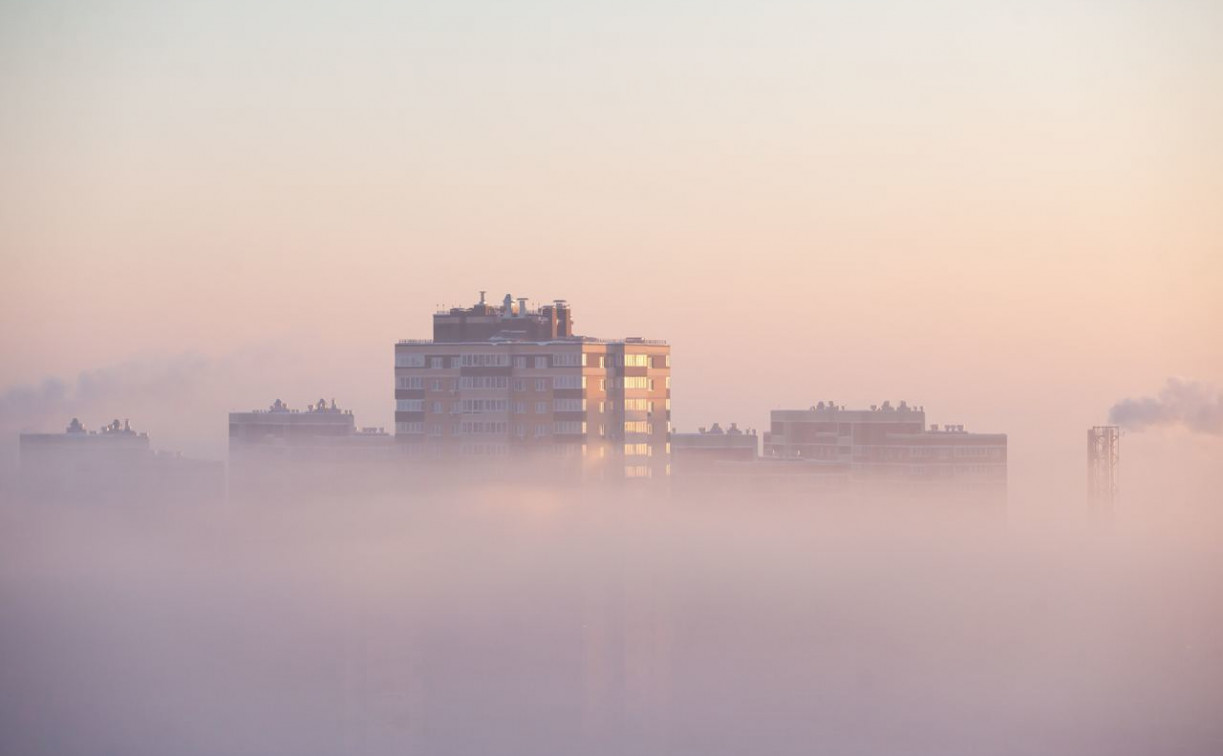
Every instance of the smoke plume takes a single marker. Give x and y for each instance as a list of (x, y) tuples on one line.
[(53, 400), (1197, 406)]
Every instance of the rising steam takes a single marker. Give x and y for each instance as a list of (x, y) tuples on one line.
[(54, 399), (1197, 406)]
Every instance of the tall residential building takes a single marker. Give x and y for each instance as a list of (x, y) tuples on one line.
[(516, 382), (886, 443)]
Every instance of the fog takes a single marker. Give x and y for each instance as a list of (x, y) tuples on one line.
[(1006, 214), (566, 620)]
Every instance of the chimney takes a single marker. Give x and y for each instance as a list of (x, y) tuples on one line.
[(522, 307), (564, 322)]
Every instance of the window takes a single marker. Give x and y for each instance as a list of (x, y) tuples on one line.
[(520, 384), (520, 430), (569, 359), (668, 383), (477, 406), (409, 405), (541, 384), (409, 427), (569, 405), (486, 360), (569, 426), (541, 431), (637, 471), (637, 426), (636, 360), (520, 408), (637, 383), (603, 384), (484, 382), (569, 382), (409, 382), (437, 363), (436, 408), (435, 430), (601, 407), (638, 405), (541, 408), (541, 362), (636, 450), (520, 363), (407, 360)]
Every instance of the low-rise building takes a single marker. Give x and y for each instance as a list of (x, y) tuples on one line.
[(886, 443), (114, 465), (321, 449), (714, 444)]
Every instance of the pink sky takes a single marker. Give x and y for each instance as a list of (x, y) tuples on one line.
[(1008, 214)]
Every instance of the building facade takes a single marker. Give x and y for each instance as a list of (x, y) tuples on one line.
[(113, 465), (714, 445), (283, 451), (320, 432), (514, 382), (885, 443)]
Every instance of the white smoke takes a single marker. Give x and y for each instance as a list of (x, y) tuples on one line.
[(1192, 404), (54, 401)]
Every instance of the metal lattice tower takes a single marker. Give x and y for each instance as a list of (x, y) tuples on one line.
[(1103, 452)]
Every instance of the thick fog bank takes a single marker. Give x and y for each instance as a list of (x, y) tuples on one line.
[(546, 622)]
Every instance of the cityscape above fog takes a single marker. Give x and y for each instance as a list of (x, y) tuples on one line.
[(507, 391)]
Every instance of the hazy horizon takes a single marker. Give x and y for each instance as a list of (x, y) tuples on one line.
[(1007, 213)]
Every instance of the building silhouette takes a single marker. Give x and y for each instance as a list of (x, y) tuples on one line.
[(886, 444), (112, 465), (513, 382)]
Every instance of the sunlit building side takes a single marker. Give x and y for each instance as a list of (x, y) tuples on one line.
[(513, 382)]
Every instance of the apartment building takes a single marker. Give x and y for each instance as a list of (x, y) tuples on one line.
[(715, 444), (321, 432), (515, 382), (885, 443), (112, 465), (282, 453)]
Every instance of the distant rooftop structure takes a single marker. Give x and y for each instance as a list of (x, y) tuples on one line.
[(112, 465), (715, 444), (114, 436), (279, 424), (512, 320), (884, 441)]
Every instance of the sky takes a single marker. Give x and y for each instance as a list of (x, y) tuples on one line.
[(1004, 212)]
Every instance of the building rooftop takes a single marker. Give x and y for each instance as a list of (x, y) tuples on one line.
[(512, 321)]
